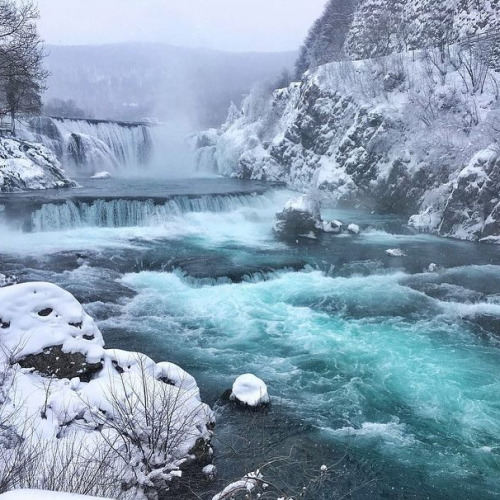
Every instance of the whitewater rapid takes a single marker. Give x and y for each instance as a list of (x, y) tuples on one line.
[(390, 368)]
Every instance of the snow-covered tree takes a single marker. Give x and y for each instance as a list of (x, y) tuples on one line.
[(325, 41)]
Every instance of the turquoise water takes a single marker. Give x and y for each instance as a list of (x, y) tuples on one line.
[(373, 359)]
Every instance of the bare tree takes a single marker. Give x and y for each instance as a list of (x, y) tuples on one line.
[(473, 63), (22, 76)]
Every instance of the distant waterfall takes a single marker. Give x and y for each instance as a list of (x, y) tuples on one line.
[(90, 146), (130, 213)]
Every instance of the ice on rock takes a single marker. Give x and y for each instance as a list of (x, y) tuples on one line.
[(250, 390), (353, 228)]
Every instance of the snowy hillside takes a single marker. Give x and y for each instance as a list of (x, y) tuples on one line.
[(409, 133), (360, 29), (27, 166)]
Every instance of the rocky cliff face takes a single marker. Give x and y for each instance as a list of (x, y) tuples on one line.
[(27, 166), (404, 134)]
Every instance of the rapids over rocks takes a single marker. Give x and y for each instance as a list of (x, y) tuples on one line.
[(373, 362)]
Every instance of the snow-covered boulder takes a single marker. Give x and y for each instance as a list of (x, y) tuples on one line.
[(250, 390), (353, 229), (28, 166), (44, 327), (102, 175), (119, 361), (301, 218), (332, 226)]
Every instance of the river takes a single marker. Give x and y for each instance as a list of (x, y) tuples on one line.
[(384, 371)]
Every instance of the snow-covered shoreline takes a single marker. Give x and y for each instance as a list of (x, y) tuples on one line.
[(121, 414)]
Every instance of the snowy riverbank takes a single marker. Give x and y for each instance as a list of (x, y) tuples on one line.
[(77, 417)]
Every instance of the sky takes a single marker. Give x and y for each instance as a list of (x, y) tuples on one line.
[(233, 25)]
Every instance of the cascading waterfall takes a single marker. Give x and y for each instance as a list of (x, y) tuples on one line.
[(131, 213), (92, 145)]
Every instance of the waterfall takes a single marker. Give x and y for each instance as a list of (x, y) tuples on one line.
[(131, 213), (90, 146)]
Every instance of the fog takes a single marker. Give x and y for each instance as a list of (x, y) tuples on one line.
[(140, 80), (234, 25)]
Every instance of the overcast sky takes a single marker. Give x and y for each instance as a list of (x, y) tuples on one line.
[(235, 25)]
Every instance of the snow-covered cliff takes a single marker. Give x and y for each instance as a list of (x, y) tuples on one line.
[(27, 166), (409, 133)]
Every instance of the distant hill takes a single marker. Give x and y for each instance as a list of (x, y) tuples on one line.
[(137, 80)]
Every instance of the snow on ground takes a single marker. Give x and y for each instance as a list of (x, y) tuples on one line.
[(45, 495), (250, 390)]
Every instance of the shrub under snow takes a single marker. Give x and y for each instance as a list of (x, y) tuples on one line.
[(127, 423)]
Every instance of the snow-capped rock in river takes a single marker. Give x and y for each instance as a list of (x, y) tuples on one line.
[(27, 166), (332, 226), (102, 175), (396, 148), (353, 229), (395, 252), (250, 390), (141, 423), (301, 217)]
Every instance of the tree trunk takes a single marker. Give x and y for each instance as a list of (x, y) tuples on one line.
[(13, 123)]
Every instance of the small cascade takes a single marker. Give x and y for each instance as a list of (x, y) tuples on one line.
[(206, 160), (133, 213)]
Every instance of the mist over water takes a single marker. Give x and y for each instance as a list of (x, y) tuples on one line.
[(172, 155), (371, 360)]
